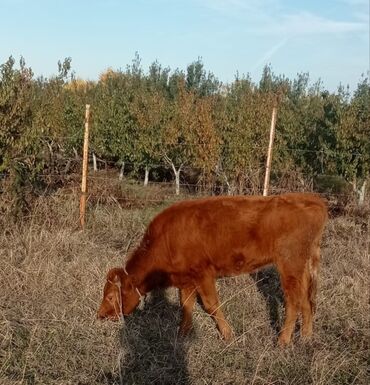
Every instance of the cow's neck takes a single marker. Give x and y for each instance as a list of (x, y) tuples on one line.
[(138, 268), (145, 274)]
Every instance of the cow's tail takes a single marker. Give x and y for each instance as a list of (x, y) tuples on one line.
[(313, 271)]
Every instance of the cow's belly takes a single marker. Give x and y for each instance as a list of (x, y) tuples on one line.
[(241, 263)]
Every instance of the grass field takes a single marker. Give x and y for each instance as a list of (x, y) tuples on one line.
[(52, 276)]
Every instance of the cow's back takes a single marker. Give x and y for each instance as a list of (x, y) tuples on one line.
[(231, 234)]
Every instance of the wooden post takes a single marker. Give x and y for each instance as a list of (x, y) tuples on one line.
[(84, 168), (269, 153)]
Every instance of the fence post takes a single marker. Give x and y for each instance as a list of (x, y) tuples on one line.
[(269, 152), (84, 168)]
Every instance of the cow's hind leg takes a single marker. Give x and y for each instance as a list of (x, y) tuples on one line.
[(291, 280), (187, 300), (309, 288), (211, 303)]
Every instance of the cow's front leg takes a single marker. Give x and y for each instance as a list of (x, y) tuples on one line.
[(187, 300), (209, 296)]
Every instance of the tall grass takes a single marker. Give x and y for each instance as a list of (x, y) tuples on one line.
[(52, 276)]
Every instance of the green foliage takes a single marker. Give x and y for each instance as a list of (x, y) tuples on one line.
[(182, 119), (32, 123), (244, 131), (354, 135), (19, 147), (15, 113), (114, 123), (199, 80)]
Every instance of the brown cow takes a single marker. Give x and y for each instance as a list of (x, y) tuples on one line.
[(192, 243)]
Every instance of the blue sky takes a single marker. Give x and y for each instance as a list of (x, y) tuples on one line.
[(327, 38)]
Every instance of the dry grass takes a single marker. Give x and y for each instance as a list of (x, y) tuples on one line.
[(51, 281)]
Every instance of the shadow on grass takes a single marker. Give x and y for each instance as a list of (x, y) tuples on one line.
[(151, 350), (268, 284)]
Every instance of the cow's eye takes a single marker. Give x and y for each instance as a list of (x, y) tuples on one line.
[(110, 297)]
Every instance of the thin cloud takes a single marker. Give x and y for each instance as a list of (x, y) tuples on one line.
[(240, 8), (305, 23), (269, 54), (356, 2), (268, 17)]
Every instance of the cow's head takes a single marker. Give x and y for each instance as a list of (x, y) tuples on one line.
[(120, 295)]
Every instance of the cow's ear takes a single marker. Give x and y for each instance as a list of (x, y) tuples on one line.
[(115, 275)]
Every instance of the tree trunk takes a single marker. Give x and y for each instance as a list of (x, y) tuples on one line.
[(361, 193), (177, 179), (51, 158), (95, 165), (146, 177), (229, 188), (219, 171), (66, 168), (176, 172), (122, 170)]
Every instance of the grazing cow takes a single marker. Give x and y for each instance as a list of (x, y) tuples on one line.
[(192, 243)]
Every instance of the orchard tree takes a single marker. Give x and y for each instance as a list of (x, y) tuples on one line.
[(199, 81), (16, 88), (158, 77), (178, 121), (147, 109), (354, 140), (58, 117), (77, 94), (19, 144), (244, 134), (204, 138), (290, 144), (307, 130), (114, 124)]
